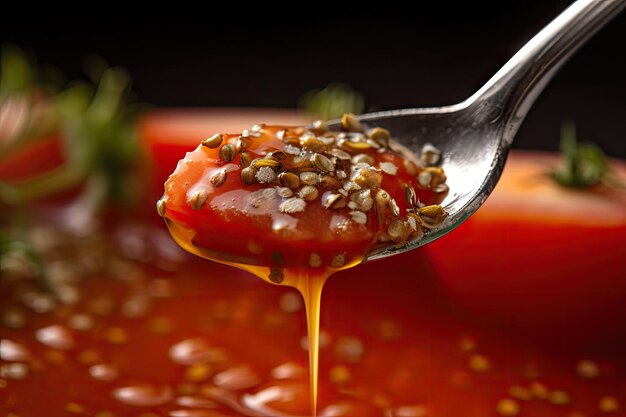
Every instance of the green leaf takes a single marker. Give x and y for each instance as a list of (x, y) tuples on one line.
[(332, 102), (584, 164)]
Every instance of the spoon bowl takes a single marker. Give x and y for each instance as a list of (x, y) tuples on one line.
[(475, 135)]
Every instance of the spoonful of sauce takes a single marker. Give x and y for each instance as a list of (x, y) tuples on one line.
[(292, 205)]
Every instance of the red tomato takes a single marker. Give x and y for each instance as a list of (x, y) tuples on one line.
[(540, 255), (42, 156)]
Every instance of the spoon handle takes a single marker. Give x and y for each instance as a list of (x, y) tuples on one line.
[(514, 88)]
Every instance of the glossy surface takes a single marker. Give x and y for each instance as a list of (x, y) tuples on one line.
[(148, 341)]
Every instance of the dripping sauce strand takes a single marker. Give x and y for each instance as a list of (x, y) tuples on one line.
[(292, 205)]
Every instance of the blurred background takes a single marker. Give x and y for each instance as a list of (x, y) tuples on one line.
[(394, 57)]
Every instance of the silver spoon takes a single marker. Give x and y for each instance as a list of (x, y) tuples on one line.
[(475, 135)]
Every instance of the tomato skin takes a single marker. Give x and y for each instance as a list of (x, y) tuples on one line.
[(43, 155), (538, 255)]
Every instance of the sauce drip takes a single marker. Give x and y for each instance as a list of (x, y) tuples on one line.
[(292, 205)]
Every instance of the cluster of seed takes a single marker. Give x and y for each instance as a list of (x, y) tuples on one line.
[(339, 169)]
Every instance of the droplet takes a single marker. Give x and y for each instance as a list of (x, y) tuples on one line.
[(11, 351), (56, 337), (103, 372), (194, 351), (237, 378), (143, 395)]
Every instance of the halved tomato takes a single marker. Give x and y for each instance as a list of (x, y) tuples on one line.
[(540, 255)]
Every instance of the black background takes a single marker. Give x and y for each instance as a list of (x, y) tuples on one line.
[(395, 57)]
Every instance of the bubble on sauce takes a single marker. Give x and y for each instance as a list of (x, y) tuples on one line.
[(193, 413), (290, 302), (11, 351), (278, 400), (349, 349), (408, 411), (103, 372), (289, 370), (196, 402), (80, 322), (237, 378), (14, 370), (194, 351), (56, 337), (136, 306), (14, 319), (143, 395)]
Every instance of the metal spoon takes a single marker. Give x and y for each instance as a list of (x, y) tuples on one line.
[(475, 135)]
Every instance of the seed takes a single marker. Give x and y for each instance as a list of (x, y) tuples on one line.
[(257, 128), (368, 177), (508, 407), (354, 147), (363, 200), (393, 206), (440, 189), (363, 158), (198, 199), (410, 167), (351, 186), (334, 201), (608, 404), (424, 178), (409, 195), (479, 363), (308, 178), (289, 179), (265, 175), (293, 205), (431, 177), (268, 162), (278, 155), (160, 206), (218, 178), (315, 260), (282, 134), (245, 159), (311, 143), (338, 153), (248, 175), (292, 150), (320, 126), (228, 152), (398, 230), (380, 135), (213, 141), (351, 123), (382, 198), (430, 155), (413, 222), (276, 275), (431, 216), (358, 217), (389, 168), (587, 369), (244, 142), (338, 261), (309, 192), (559, 397), (284, 192), (520, 393), (322, 162), (329, 183)]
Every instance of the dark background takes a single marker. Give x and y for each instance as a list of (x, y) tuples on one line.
[(394, 57)]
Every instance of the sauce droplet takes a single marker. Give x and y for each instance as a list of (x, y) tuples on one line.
[(56, 337), (143, 395)]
